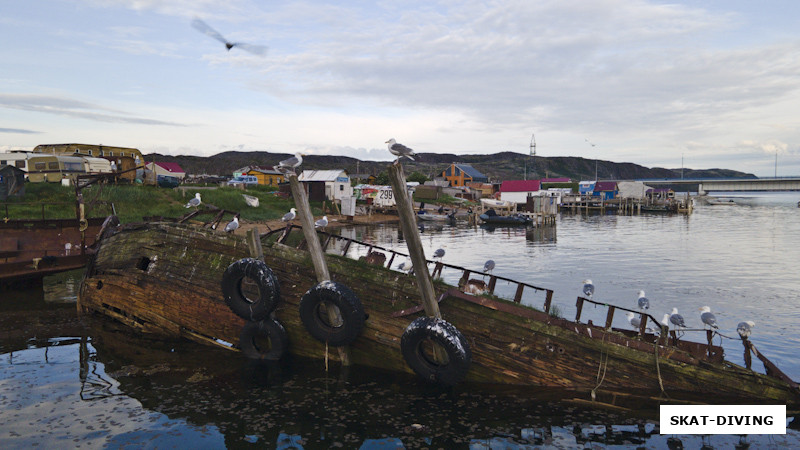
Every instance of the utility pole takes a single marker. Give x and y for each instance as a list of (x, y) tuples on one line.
[(533, 154), (595, 161)]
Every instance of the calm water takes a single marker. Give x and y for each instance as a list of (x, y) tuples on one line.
[(67, 382)]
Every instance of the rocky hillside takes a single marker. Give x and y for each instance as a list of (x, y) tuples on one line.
[(497, 166)]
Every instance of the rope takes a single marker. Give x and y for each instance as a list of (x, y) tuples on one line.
[(604, 366), (658, 370)]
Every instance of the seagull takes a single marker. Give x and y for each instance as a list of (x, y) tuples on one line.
[(588, 288), (708, 317), (676, 318), (634, 321), (644, 303), (399, 150), (488, 266), (665, 320), (289, 216), (204, 28), (439, 253), (321, 223), (744, 328), (195, 202), (232, 225), (406, 266), (288, 165)]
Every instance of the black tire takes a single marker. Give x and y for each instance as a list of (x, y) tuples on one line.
[(253, 307), (265, 339), (446, 336), (314, 314)]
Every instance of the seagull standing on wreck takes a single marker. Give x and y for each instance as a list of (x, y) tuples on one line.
[(195, 202), (644, 302), (488, 266), (399, 150), (288, 165), (745, 328), (439, 253), (634, 321), (289, 216), (588, 288), (708, 317), (676, 319), (233, 225), (406, 266), (321, 223)]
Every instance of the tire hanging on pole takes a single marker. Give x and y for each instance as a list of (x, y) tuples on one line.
[(258, 306), (314, 313), (265, 340), (418, 352)]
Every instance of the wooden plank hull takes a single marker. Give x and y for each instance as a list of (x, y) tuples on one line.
[(166, 278)]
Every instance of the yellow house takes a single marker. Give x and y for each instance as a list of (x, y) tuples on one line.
[(461, 174), (266, 177)]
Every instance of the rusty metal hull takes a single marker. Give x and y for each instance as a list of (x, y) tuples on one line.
[(166, 278), (32, 249)]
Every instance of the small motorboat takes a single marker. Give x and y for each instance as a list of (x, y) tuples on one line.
[(492, 217), (422, 215)]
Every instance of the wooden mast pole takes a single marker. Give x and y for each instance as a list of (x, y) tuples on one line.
[(315, 249), (408, 223)]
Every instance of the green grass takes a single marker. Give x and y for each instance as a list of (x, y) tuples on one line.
[(133, 202)]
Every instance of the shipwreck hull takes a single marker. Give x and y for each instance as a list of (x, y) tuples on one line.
[(166, 279)]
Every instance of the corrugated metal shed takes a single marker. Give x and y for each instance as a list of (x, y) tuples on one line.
[(322, 175)]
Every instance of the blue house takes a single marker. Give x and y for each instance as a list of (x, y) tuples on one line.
[(606, 190), (586, 187)]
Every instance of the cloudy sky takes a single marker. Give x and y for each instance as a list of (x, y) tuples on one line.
[(710, 83)]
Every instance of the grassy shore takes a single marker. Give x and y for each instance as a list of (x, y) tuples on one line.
[(133, 202)]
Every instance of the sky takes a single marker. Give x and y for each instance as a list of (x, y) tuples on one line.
[(696, 84)]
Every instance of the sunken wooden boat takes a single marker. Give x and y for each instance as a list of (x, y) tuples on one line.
[(168, 278)]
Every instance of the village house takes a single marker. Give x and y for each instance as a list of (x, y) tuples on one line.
[(166, 168), (606, 190), (326, 184), (518, 191), (461, 174), (266, 176)]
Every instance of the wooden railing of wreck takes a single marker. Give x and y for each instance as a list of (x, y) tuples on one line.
[(437, 270), (666, 337)]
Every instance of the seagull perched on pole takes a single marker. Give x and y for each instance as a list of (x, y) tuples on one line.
[(195, 202), (676, 319), (399, 150), (588, 288), (708, 317), (204, 28), (233, 225), (288, 165), (643, 302), (745, 328), (289, 216), (321, 223)]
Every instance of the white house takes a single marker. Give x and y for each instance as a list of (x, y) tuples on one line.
[(337, 182), (518, 191)]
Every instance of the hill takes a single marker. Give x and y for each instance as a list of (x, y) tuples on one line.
[(497, 166)]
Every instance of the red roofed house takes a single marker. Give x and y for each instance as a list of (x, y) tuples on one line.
[(517, 191), (164, 168)]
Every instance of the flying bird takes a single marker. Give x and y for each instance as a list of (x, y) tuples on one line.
[(204, 28), (288, 165), (745, 328), (289, 216), (643, 301), (399, 150), (321, 223), (488, 266), (195, 202), (708, 317), (588, 288), (439, 253), (232, 225), (676, 318)]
